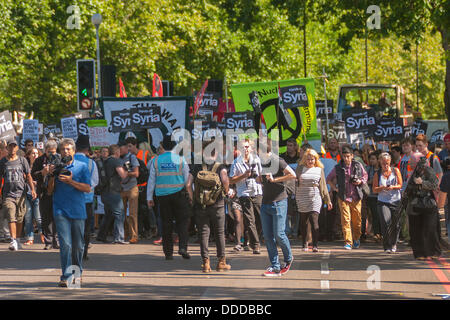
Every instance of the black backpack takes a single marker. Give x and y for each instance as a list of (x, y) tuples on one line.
[(103, 181), (144, 173)]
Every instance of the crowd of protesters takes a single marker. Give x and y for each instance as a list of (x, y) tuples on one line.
[(342, 193)]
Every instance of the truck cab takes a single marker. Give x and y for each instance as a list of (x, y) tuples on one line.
[(387, 100)]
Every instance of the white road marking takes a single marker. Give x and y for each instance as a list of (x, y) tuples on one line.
[(324, 268), (325, 285)]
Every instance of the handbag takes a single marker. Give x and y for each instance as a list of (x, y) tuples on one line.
[(423, 205)]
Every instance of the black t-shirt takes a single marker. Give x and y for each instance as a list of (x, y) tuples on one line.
[(292, 161), (196, 168), (273, 192), (445, 185), (111, 173), (14, 174)]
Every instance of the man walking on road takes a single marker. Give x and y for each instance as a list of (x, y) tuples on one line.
[(347, 179), (15, 171), (169, 174), (69, 210)]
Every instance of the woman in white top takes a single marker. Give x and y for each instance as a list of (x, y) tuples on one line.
[(311, 189), (387, 183)]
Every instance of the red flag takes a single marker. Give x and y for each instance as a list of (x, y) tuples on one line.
[(122, 92), (199, 97), (157, 86)]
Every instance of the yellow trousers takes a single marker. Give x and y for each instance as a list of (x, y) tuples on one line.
[(350, 220)]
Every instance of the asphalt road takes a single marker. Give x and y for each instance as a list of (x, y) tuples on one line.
[(140, 272)]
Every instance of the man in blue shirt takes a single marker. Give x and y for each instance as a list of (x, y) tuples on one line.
[(69, 210)]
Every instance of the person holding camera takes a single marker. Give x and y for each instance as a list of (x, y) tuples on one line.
[(387, 183), (422, 209), (347, 179), (40, 173), (111, 197), (244, 170), (16, 173), (69, 182), (130, 192)]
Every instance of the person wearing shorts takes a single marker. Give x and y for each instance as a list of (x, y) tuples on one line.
[(16, 173)]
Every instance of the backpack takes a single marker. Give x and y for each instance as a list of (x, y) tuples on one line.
[(103, 181), (144, 173), (208, 186)]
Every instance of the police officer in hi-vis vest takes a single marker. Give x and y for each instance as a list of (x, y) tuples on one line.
[(169, 174)]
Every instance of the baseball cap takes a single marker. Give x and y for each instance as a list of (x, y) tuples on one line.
[(447, 137), (11, 141)]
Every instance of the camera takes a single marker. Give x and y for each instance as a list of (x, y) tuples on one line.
[(253, 174), (127, 166), (59, 164), (446, 164)]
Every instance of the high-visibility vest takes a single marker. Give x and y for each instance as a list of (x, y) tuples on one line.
[(169, 174), (329, 156), (143, 155)]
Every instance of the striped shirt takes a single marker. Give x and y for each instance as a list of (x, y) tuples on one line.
[(246, 187), (308, 190)]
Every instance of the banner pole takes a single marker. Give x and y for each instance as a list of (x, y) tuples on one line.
[(226, 92), (326, 104)]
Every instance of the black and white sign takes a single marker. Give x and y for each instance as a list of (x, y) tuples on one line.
[(337, 131), (437, 136), (174, 115), (320, 109), (254, 99), (210, 100), (294, 96), (82, 126), (146, 118), (7, 130), (389, 130), (204, 130), (419, 127), (239, 120), (360, 121), (53, 130), (121, 120)]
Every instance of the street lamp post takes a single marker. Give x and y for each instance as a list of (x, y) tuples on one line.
[(97, 20)]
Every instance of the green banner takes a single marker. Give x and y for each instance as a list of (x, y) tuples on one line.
[(269, 102)]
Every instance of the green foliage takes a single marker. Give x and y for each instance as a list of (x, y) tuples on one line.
[(191, 41)]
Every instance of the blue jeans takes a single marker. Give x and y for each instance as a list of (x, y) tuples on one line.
[(114, 210), (273, 220), (32, 212), (71, 242)]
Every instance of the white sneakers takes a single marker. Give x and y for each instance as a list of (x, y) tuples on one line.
[(14, 245)]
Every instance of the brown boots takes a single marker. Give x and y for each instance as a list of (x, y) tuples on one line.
[(206, 267), (221, 265)]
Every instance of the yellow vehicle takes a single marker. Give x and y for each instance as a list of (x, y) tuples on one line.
[(387, 100)]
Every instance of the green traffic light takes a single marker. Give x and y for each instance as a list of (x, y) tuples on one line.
[(84, 92)]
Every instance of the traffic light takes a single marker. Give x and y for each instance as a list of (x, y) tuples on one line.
[(86, 84)]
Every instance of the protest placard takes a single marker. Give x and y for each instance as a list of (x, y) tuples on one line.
[(389, 130), (69, 128), (419, 127), (359, 121), (240, 120), (7, 130), (294, 96), (98, 133), (30, 129)]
